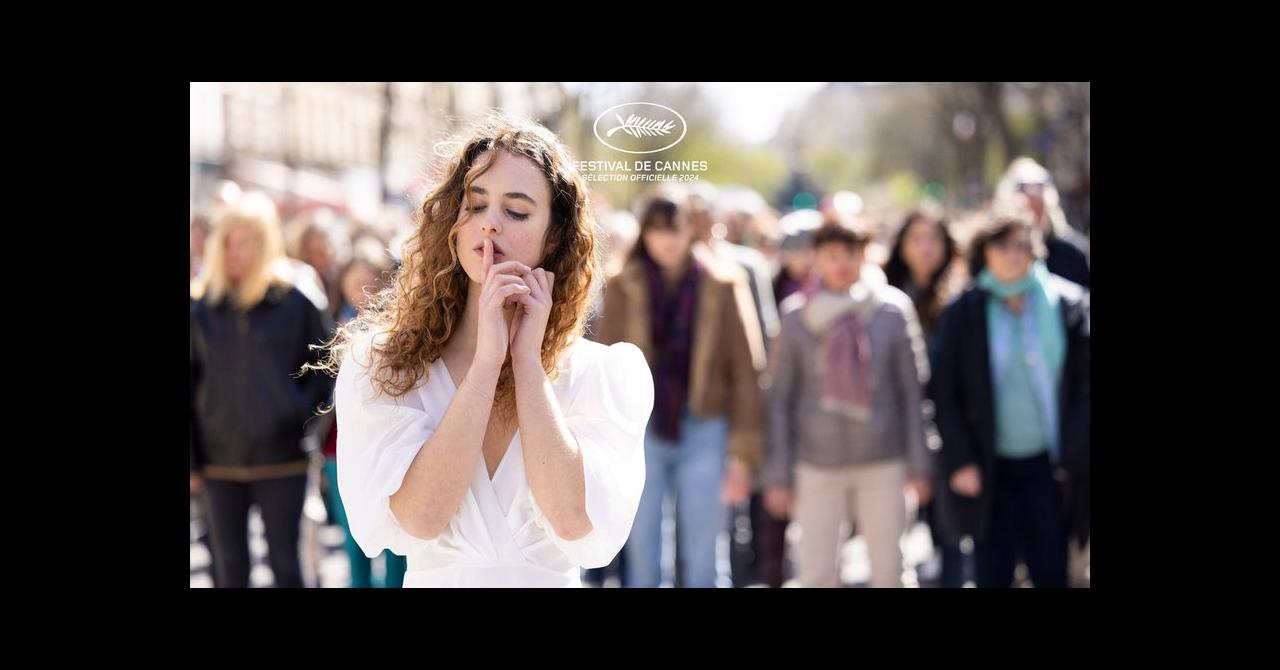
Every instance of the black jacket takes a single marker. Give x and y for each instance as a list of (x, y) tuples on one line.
[(248, 405), (965, 407), (1067, 258)]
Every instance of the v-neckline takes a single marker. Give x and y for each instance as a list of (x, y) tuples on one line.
[(515, 435)]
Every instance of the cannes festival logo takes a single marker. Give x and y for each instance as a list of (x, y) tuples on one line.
[(640, 127)]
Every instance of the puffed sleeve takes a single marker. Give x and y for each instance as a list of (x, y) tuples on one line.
[(608, 415), (378, 438)]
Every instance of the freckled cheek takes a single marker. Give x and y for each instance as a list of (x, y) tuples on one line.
[(526, 248)]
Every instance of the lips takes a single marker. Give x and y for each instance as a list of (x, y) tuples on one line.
[(497, 251)]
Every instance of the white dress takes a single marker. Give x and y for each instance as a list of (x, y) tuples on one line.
[(498, 537)]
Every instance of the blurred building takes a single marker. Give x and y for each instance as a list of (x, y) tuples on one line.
[(347, 145)]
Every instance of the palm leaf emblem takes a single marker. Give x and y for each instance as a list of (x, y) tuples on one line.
[(639, 126)]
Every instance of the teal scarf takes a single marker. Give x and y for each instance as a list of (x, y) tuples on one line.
[(1041, 297)]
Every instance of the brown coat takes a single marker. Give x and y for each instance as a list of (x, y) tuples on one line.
[(727, 355)]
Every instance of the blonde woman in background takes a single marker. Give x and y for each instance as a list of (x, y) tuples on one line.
[(250, 334)]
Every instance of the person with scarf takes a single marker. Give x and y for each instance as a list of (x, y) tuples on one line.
[(845, 412), (1011, 392), (694, 319)]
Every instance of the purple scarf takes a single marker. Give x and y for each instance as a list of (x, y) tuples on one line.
[(671, 316), (846, 386), (846, 357)]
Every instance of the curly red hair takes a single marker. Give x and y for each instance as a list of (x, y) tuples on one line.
[(420, 309)]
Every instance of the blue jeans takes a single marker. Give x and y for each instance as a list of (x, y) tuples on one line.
[(693, 470), (361, 565)]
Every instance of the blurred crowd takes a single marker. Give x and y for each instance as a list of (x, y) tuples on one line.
[(820, 375)]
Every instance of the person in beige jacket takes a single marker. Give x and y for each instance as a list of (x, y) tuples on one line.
[(693, 317)]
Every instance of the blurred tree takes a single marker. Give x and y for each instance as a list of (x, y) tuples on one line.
[(957, 137)]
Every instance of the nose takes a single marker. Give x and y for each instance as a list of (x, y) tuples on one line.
[(491, 223)]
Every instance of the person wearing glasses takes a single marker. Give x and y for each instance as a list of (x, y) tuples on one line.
[(1010, 387), (1066, 249)]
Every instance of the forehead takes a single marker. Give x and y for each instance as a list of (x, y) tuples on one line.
[(838, 247), (661, 220), (512, 173), (1015, 234), (922, 228)]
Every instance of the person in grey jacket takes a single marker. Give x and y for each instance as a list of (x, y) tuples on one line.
[(845, 417)]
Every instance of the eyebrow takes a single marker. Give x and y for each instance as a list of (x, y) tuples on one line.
[(514, 194)]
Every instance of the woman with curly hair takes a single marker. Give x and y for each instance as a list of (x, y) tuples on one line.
[(478, 433)]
